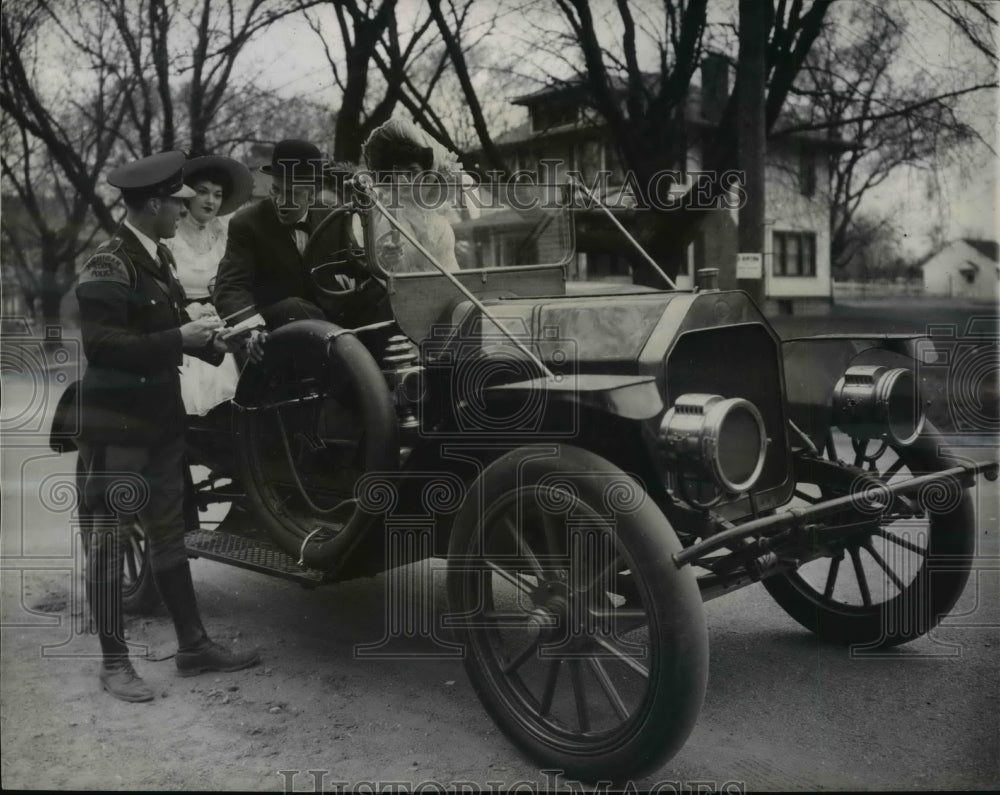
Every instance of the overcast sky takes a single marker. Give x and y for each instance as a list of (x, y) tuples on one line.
[(291, 59)]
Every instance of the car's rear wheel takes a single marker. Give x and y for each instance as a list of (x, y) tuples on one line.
[(902, 564), (139, 594), (584, 641)]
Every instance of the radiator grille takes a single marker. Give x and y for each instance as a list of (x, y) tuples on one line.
[(736, 361)]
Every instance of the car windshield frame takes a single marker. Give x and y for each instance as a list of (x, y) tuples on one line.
[(491, 225)]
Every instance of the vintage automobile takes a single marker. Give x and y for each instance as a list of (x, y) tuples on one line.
[(592, 466)]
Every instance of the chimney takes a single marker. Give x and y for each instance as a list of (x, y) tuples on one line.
[(714, 86)]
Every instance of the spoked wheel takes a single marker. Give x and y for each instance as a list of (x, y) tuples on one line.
[(583, 640), (901, 564), (139, 594)]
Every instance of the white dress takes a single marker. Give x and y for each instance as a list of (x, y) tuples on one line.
[(197, 250), (430, 226)]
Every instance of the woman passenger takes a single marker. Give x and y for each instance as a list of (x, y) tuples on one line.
[(222, 186), (399, 150)]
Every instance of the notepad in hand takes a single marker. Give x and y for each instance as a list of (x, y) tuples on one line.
[(244, 327)]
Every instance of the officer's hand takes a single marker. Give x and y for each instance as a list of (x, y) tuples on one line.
[(198, 333), (255, 345)]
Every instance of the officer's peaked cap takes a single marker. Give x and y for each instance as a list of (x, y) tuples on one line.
[(157, 175)]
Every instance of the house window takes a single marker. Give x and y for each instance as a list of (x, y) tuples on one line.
[(588, 159), (613, 163), (794, 254), (807, 172), (969, 272), (548, 115)]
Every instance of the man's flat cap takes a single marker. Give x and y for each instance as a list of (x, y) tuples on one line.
[(156, 175)]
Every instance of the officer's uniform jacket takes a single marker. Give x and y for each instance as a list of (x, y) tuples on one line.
[(131, 310)]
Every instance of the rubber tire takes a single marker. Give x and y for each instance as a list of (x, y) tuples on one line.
[(678, 658), (915, 610), (140, 597), (361, 372)]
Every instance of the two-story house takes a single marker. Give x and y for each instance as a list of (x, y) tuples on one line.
[(797, 276)]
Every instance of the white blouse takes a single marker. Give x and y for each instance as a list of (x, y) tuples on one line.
[(198, 249)]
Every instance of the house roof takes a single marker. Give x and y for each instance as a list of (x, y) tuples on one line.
[(579, 88), (578, 91), (988, 248), (523, 132)]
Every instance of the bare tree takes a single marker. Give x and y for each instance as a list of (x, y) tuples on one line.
[(79, 134), (52, 162), (134, 78), (46, 224), (451, 34), (643, 105), (178, 54), (597, 50), (852, 85), (385, 57), (373, 45), (868, 248)]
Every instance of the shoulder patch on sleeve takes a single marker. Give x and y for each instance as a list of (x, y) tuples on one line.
[(106, 267)]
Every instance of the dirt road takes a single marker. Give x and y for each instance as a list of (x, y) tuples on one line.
[(782, 712)]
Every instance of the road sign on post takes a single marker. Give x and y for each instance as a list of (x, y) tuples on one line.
[(755, 23), (750, 266)]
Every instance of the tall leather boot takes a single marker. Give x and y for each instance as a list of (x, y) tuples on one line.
[(104, 594), (196, 652)]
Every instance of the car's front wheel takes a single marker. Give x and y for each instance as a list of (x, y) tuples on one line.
[(583, 640)]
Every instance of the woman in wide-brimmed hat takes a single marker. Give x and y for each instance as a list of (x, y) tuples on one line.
[(221, 186), (399, 153)]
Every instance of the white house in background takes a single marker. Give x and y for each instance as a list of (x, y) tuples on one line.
[(964, 268), (796, 252)]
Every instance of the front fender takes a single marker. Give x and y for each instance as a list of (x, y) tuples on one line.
[(813, 365)]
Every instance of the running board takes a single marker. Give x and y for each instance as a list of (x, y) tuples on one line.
[(253, 554)]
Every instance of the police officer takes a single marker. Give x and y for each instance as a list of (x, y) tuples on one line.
[(131, 447)]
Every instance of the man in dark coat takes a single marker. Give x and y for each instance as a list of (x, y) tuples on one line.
[(266, 269), (131, 444)]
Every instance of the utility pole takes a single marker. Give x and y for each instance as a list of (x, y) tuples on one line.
[(751, 73)]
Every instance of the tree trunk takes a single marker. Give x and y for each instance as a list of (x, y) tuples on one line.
[(54, 285), (347, 130)]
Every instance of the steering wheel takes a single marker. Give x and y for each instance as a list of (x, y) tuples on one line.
[(348, 262)]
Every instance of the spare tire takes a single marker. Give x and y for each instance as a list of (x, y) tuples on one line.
[(311, 419)]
